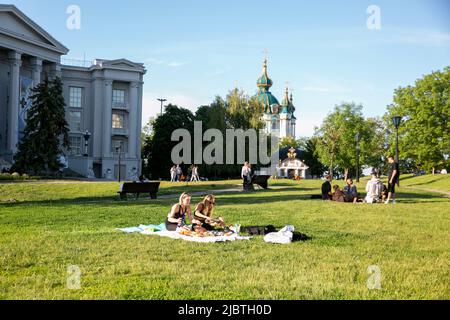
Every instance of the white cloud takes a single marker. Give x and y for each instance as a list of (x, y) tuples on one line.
[(419, 37), (166, 62), (176, 64)]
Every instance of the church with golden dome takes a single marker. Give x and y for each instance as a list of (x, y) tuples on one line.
[(277, 117)]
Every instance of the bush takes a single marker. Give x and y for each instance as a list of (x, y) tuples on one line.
[(14, 177)]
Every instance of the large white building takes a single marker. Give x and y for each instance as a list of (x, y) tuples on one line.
[(104, 98)]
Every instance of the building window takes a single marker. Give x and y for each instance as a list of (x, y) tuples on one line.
[(118, 120), (75, 121), (119, 143), (75, 146), (75, 97), (118, 96)]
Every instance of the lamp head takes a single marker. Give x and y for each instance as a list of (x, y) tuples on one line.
[(396, 121)]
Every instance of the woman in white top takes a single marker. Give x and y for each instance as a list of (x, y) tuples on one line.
[(374, 188)]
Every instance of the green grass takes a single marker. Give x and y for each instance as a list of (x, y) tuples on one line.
[(439, 182), (55, 225)]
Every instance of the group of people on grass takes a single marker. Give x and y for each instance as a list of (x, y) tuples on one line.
[(376, 191), (176, 174), (201, 220)]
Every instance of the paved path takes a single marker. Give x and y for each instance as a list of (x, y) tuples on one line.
[(444, 193), (204, 193)]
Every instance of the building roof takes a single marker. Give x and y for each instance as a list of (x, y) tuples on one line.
[(34, 31)]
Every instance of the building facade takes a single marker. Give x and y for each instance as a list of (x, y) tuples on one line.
[(276, 117), (103, 99)]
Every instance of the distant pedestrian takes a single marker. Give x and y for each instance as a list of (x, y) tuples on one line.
[(245, 173), (194, 174), (173, 173), (179, 172), (393, 178)]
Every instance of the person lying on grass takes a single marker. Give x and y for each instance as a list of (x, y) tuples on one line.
[(203, 213), (177, 215)]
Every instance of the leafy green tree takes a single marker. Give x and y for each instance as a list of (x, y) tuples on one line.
[(46, 132), (336, 138), (311, 158), (243, 112), (158, 147), (424, 135), (287, 142)]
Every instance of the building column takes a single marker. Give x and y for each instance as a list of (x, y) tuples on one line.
[(36, 65), (55, 70), (133, 121), (15, 59), (107, 119)]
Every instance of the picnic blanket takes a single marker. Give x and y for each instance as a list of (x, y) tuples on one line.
[(160, 230)]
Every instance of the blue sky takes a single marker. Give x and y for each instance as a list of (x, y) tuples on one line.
[(196, 49)]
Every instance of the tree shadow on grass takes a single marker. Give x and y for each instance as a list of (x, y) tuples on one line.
[(144, 200), (228, 198)]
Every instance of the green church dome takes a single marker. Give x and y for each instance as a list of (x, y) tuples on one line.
[(264, 81), (268, 100)]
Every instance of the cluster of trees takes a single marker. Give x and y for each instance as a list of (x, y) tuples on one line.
[(424, 135), (236, 111), (345, 137)]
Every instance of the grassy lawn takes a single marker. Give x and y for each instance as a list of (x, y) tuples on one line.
[(55, 225), (439, 182)]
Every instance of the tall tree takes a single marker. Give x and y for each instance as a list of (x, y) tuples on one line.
[(46, 132), (158, 147), (336, 145), (311, 158), (425, 132)]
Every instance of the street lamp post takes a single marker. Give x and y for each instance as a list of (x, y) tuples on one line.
[(118, 151), (358, 151), (162, 101), (396, 122), (86, 136)]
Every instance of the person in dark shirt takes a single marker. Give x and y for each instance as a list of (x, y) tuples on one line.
[(393, 176), (351, 192), (326, 189)]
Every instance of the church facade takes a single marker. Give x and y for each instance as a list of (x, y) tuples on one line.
[(277, 117), (103, 100)]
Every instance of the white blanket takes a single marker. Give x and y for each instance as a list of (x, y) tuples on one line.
[(176, 235)]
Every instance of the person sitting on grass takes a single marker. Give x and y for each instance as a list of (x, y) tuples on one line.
[(326, 188), (338, 194), (177, 215), (374, 189), (351, 193), (203, 213)]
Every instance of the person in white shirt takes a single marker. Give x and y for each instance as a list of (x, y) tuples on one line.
[(245, 173), (374, 188), (194, 174), (173, 174)]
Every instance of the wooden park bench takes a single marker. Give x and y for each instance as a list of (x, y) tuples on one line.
[(137, 188), (260, 180)]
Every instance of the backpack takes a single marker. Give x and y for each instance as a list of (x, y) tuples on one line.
[(259, 230)]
